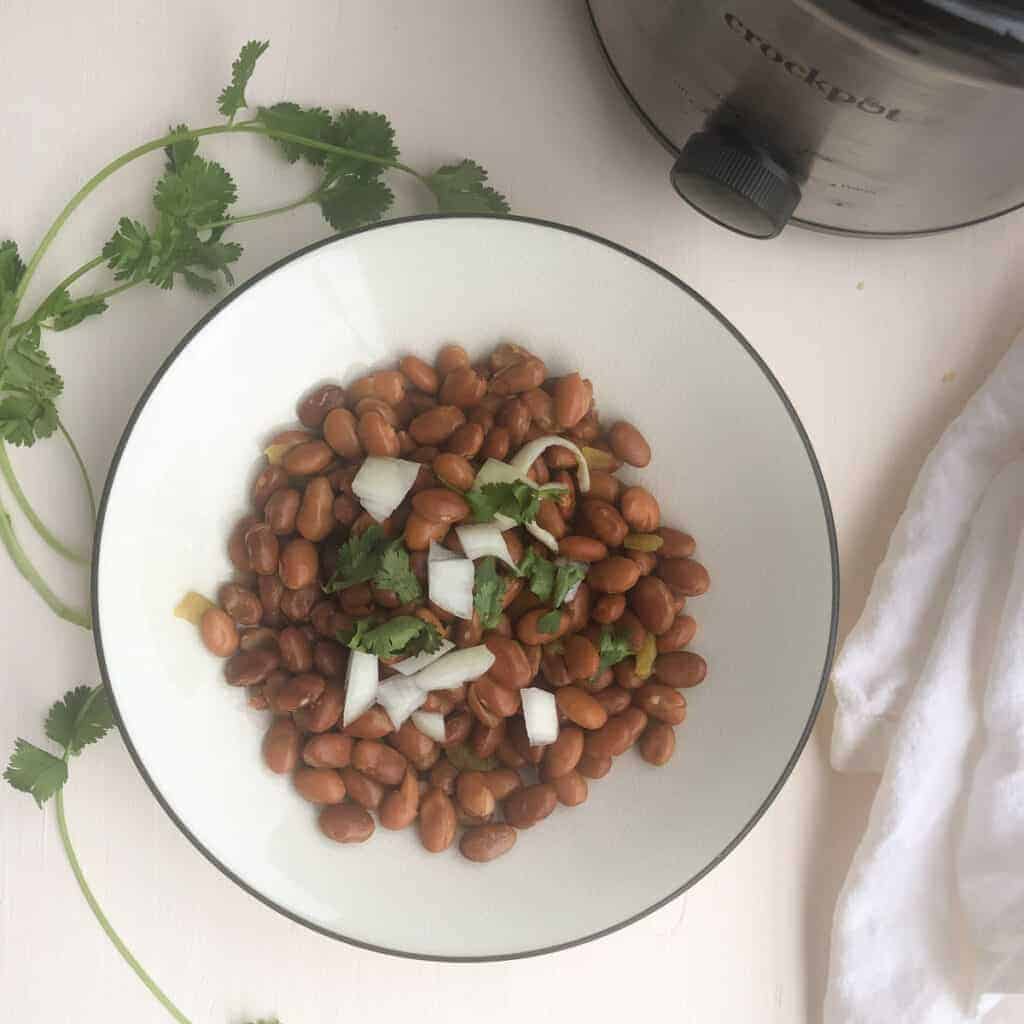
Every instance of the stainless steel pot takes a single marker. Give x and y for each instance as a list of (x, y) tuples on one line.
[(874, 117)]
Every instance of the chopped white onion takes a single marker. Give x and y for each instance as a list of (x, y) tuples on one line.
[(451, 586), (400, 697), (360, 685), (495, 472), (482, 539), (574, 589), (534, 529), (455, 668), (410, 666), (382, 484), (540, 714), (430, 723), (439, 553), (530, 452)]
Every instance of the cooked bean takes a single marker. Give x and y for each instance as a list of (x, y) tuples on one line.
[(271, 590), (330, 658), (640, 509), (604, 487), (514, 416), (316, 513), (308, 458), (661, 702), (451, 357), (614, 700), (444, 775), (680, 669), (629, 444), (484, 740), (625, 675), (379, 762), (496, 444), (437, 821), (566, 501), (554, 670), (490, 702), (436, 425), (604, 522), (528, 629), (676, 543), (608, 608), (282, 509), (419, 532), (325, 712), (468, 632), (572, 401), (678, 635), (297, 604), (263, 548), (219, 633), (688, 575), (582, 549), (612, 739), (314, 408), (515, 730), (652, 604), (571, 788), (421, 375), (474, 795), (600, 682), (342, 435), (346, 823), (658, 743), (636, 720), (267, 484), (562, 756), (580, 707), (328, 750), (511, 666), (466, 441), (633, 630), (462, 387), (237, 551), (457, 728), (247, 668), (440, 505), (615, 575), (550, 519), (297, 692), (520, 376), (541, 407), (529, 805), (281, 745), (363, 790), (591, 767), (370, 725), (484, 843), (399, 808), (582, 659), (377, 436), (579, 608), (388, 412), (454, 470), (241, 604), (502, 781), (645, 561), (296, 650), (319, 785), (259, 639)]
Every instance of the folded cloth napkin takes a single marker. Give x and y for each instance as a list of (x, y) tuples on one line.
[(929, 926)]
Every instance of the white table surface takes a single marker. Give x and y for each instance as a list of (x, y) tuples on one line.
[(877, 343)]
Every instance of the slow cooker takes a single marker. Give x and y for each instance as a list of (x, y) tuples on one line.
[(870, 117)]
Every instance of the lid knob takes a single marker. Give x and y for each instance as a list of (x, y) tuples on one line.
[(735, 183)]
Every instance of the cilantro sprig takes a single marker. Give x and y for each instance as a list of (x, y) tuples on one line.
[(371, 557), (488, 592), (518, 500), (614, 647), (183, 241), (404, 634), (83, 716)]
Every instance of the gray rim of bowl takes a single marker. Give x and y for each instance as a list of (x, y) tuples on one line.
[(829, 525)]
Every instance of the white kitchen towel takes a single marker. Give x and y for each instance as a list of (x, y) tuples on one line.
[(929, 926)]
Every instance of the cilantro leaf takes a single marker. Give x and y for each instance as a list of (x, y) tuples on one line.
[(179, 153), (550, 623), (129, 251), (64, 312), (566, 577), (352, 202), (28, 368), (197, 192), (404, 634), (396, 574), (35, 771), (358, 560), (25, 419), (614, 647), (540, 572), (11, 270), (488, 592), (309, 122), (518, 500), (82, 717), (232, 98), (460, 188), (366, 132)]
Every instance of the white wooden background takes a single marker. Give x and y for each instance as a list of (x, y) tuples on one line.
[(878, 345)]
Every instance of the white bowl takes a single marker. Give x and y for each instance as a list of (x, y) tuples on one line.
[(732, 465)]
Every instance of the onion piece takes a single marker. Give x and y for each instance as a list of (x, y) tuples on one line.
[(455, 668), (530, 452), (400, 697), (439, 553), (430, 723), (360, 685), (382, 484), (451, 586), (493, 471), (541, 716), (483, 539), (534, 529), (410, 666)]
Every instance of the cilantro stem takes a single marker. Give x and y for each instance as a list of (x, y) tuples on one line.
[(81, 467), (76, 868), (31, 515), (246, 217), (24, 565)]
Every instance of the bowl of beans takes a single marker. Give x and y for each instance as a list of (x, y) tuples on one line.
[(464, 563)]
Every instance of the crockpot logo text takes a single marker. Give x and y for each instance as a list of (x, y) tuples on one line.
[(811, 76)]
